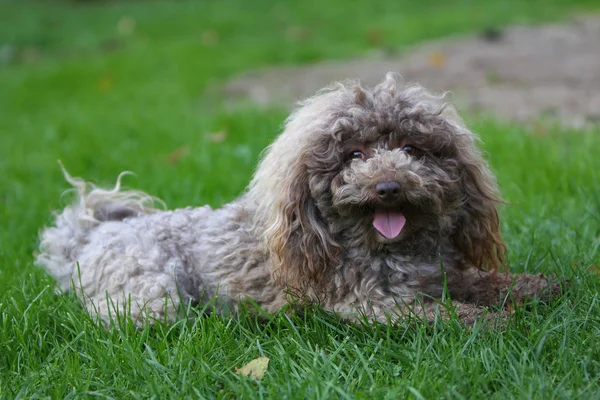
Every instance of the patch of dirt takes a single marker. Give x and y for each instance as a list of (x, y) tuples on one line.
[(521, 73)]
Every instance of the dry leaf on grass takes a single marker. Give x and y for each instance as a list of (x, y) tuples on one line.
[(255, 369), (375, 37), (216, 137), (30, 54), (126, 25), (296, 34), (105, 83), (210, 38), (178, 154)]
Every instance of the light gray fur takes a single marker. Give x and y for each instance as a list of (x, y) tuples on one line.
[(303, 229)]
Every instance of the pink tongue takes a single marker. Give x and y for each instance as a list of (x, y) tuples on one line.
[(389, 224)]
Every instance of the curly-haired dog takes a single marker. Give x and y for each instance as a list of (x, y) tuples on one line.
[(371, 202)]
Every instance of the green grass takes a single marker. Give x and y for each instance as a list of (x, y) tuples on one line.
[(73, 88)]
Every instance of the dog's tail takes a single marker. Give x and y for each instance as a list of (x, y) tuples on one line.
[(61, 243)]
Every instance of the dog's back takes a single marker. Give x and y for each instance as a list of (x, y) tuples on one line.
[(120, 253)]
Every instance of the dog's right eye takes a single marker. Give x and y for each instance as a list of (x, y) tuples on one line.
[(357, 154)]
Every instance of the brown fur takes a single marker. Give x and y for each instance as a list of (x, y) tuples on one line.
[(477, 234)]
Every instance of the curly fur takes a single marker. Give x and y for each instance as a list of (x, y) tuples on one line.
[(304, 227)]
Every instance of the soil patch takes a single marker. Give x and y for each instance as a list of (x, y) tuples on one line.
[(522, 73)]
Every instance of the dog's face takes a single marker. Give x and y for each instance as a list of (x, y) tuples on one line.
[(392, 183), (374, 170)]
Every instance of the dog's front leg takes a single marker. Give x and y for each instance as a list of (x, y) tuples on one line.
[(423, 309), (494, 288)]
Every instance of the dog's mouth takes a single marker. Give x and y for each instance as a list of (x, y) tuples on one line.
[(389, 223)]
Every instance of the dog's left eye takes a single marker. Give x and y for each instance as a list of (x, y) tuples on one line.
[(357, 155), (408, 148)]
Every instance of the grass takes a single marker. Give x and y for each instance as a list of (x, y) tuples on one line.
[(75, 89)]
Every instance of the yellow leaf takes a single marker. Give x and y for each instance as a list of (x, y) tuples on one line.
[(255, 369), (438, 59), (104, 83)]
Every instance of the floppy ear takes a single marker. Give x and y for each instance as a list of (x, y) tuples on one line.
[(477, 228), (287, 197), (303, 249)]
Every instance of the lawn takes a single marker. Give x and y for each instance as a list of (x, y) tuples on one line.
[(112, 86)]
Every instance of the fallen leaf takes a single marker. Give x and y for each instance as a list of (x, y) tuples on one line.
[(216, 137), (111, 44), (438, 59), (104, 83), (210, 38), (126, 25), (539, 129), (375, 37), (296, 33), (30, 54), (255, 369), (178, 154), (594, 269)]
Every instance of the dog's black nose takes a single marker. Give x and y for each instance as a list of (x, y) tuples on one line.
[(388, 190)]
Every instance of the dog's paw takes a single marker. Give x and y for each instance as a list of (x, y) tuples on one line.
[(556, 288), (539, 287)]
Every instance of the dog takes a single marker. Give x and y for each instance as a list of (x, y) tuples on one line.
[(372, 203)]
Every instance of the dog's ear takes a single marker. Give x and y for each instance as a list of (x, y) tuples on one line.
[(477, 227), (287, 216), (299, 239)]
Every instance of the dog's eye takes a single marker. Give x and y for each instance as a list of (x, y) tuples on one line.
[(357, 154), (408, 148)]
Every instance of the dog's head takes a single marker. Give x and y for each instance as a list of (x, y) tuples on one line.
[(380, 170)]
